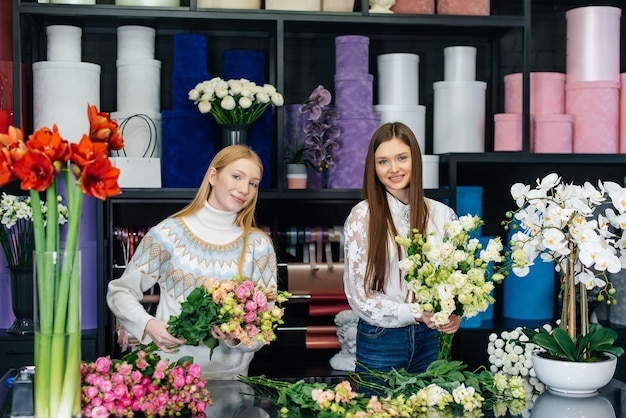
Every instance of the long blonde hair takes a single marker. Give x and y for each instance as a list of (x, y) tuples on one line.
[(374, 192), (246, 217)]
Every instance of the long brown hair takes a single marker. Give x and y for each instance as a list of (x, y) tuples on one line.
[(245, 218), (375, 193)]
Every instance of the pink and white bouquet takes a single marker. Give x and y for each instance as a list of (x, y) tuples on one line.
[(147, 385)]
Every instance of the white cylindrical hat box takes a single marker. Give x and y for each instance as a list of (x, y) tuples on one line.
[(459, 63), (135, 43), (61, 93), (414, 116), (141, 133), (398, 79), (459, 116), (148, 3), (139, 86), (64, 43), (593, 44), (430, 171)]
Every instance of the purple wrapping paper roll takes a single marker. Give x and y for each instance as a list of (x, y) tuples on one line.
[(352, 54), (190, 55), (356, 132), (354, 91)]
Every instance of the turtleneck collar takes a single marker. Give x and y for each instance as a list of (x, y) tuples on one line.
[(218, 219)]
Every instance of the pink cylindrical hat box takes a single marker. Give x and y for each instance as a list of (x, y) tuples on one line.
[(352, 54), (464, 7), (418, 7), (547, 93), (507, 132), (622, 115), (595, 107), (552, 134), (593, 44)]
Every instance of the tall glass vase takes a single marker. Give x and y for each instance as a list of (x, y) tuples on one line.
[(22, 300), (57, 334), (234, 134)]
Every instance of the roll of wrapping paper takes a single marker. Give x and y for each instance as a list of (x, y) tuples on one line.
[(327, 304), (322, 337)]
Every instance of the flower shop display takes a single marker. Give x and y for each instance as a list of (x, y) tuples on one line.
[(235, 104), (236, 306), (445, 389), (40, 163), (580, 228), (321, 134), (449, 273), (147, 385), (17, 238)]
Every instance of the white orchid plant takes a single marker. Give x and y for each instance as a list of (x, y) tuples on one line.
[(235, 101), (581, 228)]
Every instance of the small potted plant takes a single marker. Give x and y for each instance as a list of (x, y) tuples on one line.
[(321, 137), (580, 228)]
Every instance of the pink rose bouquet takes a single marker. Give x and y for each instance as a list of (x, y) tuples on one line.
[(148, 385), (240, 309)]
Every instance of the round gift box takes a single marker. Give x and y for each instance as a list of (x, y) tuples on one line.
[(593, 44), (422, 7), (141, 133), (148, 3), (464, 7), (73, 1), (430, 171), (139, 86), (135, 43), (352, 54), (595, 107), (354, 91), (61, 92), (547, 93), (337, 5), (64, 43), (552, 134), (398, 79), (622, 114), (414, 116), (459, 116), (310, 5), (507, 132), (229, 4), (459, 63)]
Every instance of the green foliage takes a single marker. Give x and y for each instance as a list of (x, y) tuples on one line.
[(590, 347)]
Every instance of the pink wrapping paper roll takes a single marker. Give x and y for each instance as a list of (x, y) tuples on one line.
[(422, 7), (507, 132), (547, 93), (552, 134), (593, 44), (595, 107), (464, 7), (622, 115)]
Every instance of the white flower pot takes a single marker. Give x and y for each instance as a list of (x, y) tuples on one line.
[(572, 378)]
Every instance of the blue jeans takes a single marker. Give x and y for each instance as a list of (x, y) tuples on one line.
[(411, 348)]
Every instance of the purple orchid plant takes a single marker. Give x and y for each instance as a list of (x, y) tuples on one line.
[(321, 135)]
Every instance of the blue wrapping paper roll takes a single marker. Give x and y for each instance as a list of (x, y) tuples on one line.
[(249, 64), (469, 200), (190, 54), (189, 144), (181, 84)]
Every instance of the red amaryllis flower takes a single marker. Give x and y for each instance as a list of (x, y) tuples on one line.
[(35, 170), (12, 145), (99, 179), (50, 143), (103, 129), (6, 173), (86, 151)]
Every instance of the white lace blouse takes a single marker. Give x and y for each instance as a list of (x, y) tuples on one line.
[(391, 308)]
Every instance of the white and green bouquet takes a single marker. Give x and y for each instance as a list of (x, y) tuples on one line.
[(234, 101), (451, 273), (16, 234)]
